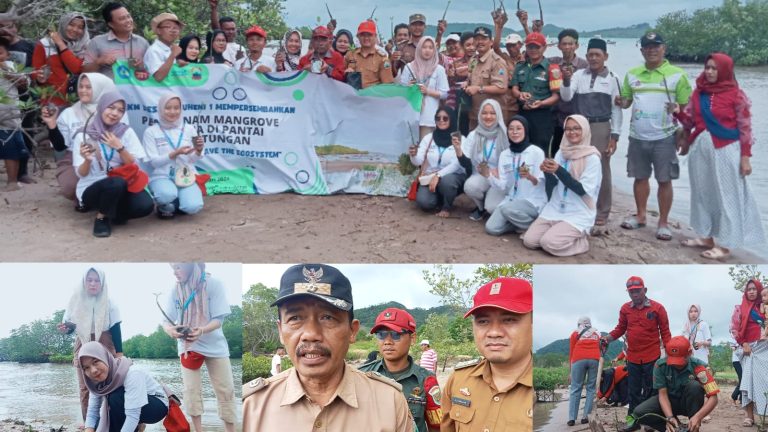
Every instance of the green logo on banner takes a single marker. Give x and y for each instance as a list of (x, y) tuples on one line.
[(236, 181), (192, 75)]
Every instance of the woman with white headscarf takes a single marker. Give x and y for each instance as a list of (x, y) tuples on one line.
[(584, 359), (59, 56), (288, 56), (572, 182), (121, 397), (426, 72), (62, 127), (481, 149), (92, 316), (198, 306), (172, 149), (697, 331)]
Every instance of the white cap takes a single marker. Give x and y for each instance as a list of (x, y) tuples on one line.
[(513, 38), (453, 37), (425, 342)]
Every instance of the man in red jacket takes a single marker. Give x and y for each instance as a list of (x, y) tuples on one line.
[(645, 322), (322, 58)]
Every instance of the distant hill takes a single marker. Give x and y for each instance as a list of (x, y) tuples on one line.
[(367, 315), (561, 346), (550, 30)]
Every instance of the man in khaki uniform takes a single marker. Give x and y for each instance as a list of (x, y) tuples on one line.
[(406, 51), (488, 77), (321, 392), (374, 67), (495, 394)]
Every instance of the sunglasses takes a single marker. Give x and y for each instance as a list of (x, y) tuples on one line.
[(382, 334), (442, 118)]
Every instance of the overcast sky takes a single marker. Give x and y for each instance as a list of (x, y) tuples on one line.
[(371, 283), (592, 15), (36, 291), (563, 293)]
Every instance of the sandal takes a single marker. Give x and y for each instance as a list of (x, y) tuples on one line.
[(600, 222), (716, 253), (748, 422), (664, 233), (697, 242), (631, 223)]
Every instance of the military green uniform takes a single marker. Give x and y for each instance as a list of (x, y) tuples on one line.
[(540, 80), (419, 387)]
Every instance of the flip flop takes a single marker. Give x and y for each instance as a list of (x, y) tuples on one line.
[(716, 253), (631, 223), (664, 233), (748, 422), (600, 222), (695, 242)]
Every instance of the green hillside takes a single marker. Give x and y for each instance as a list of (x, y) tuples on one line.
[(367, 315)]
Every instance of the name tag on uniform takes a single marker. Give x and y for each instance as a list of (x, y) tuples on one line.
[(460, 401)]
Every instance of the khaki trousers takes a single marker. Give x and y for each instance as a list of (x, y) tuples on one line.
[(558, 238), (220, 374)]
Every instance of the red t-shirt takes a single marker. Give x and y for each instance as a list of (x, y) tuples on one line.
[(59, 76), (584, 348), (643, 327), (334, 61)]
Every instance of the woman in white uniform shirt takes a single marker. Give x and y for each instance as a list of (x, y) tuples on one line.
[(572, 183), (426, 72)]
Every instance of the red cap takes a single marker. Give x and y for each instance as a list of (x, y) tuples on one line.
[(321, 31), (511, 294), (136, 179), (536, 38), (192, 360), (678, 350), (367, 27), (395, 319), (635, 282), (256, 30)]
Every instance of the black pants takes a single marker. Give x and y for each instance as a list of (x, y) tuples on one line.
[(110, 197), (448, 188), (557, 136), (463, 118), (153, 412), (687, 405), (640, 383), (736, 395), (540, 128)]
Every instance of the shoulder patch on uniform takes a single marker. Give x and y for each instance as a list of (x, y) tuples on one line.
[(466, 364), (387, 65), (379, 377), (254, 386)]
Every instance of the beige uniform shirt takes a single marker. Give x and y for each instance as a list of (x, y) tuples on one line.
[(374, 68), (471, 403), (489, 70), (363, 401)]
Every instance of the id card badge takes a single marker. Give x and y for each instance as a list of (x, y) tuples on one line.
[(562, 206), (172, 173)]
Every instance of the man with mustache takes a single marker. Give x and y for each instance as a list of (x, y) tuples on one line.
[(316, 326), (395, 331), (495, 393)]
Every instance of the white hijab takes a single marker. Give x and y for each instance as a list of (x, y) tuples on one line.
[(89, 313)]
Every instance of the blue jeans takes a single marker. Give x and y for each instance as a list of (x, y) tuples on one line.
[(640, 383), (580, 369), (168, 196)]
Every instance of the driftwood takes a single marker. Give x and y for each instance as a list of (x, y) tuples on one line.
[(29, 10)]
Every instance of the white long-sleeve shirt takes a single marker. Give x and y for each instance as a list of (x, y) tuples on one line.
[(593, 96), (566, 205), (437, 81), (138, 387), (158, 148), (520, 188), (442, 161)]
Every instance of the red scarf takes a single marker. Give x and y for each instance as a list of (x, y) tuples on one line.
[(746, 307)]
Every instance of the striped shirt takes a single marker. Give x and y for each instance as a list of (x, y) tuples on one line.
[(429, 360)]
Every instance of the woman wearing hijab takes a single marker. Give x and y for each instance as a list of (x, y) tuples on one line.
[(103, 145), (520, 177), (724, 212), (426, 72), (172, 147), (697, 331), (746, 327), (190, 50), (198, 307), (121, 397), (584, 359), (62, 127), (216, 41), (572, 181), (60, 55), (442, 175), (92, 316), (288, 56), (343, 42), (482, 149)]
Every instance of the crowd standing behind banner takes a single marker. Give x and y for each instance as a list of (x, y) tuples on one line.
[(485, 84)]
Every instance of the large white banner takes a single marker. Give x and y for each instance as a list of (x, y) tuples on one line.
[(301, 132)]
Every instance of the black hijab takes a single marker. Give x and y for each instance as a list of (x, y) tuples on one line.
[(184, 43), (521, 146), (442, 137), (217, 58)]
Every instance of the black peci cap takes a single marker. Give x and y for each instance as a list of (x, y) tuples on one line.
[(317, 280)]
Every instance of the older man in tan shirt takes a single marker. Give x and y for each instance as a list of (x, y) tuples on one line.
[(321, 392)]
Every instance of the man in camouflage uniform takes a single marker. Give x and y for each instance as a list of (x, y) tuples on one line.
[(395, 333)]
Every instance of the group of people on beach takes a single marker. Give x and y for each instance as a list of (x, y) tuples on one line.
[(527, 138), (667, 376), (117, 395)]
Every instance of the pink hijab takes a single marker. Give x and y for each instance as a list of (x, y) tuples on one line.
[(118, 371), (577, 153), (423, 68)]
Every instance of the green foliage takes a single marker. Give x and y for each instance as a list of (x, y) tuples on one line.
[(720, 357), (367, 315), (736, 28), (37, 341), (550, 360), (259, 320), (61, 358), (740, 274), (457, 293), (562, 346), (260, 366), (233, 331), (404, 165), (549, 378)]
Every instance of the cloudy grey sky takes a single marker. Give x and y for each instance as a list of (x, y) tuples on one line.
[(36, 291), (563, 293), (592, 15), (371, 283)]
